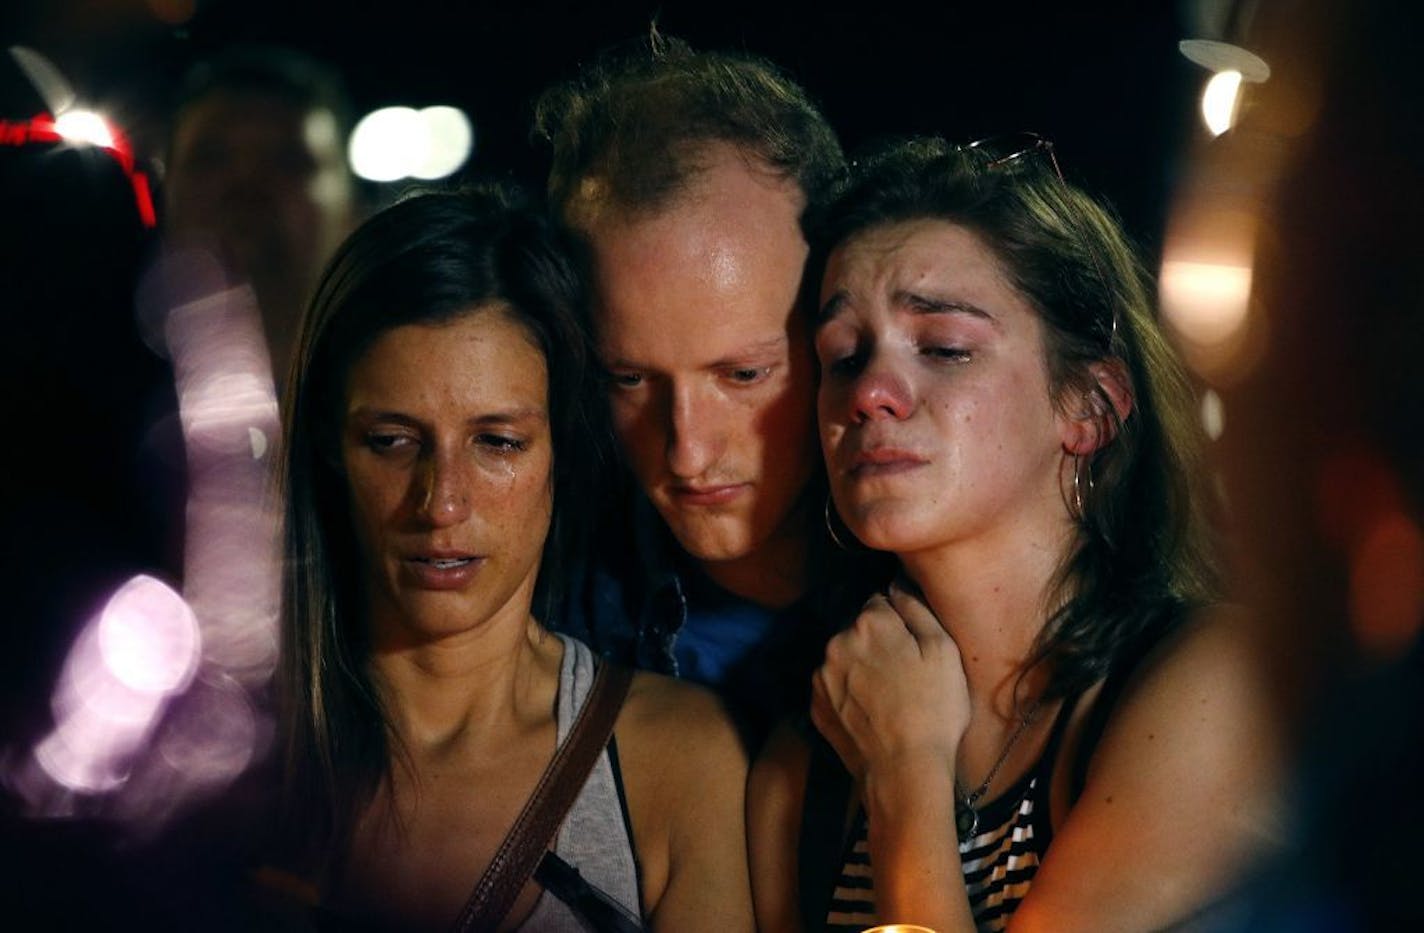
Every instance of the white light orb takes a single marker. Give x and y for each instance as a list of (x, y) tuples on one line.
[(450, 138), (84, 126), (148, 637), (1219, 99), (388, 144)]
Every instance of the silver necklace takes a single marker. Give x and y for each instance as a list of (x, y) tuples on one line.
[(966, 818)]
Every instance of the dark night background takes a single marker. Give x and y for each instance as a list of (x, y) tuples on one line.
[(1104, 80)]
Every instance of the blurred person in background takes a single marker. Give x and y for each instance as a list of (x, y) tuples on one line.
[(439, 448), (256, 174), (257, 196), (686, 174)]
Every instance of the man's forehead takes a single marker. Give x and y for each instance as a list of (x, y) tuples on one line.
[(706, 171)]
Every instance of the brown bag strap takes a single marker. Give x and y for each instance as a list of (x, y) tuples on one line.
[(559, 786)]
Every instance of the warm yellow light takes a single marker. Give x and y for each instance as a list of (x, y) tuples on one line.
[(1213, 414), (1205, 302), (1218, 102)]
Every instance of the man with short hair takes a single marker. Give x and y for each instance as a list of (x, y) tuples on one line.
[(686, 174)]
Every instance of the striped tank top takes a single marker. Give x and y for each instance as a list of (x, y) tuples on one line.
[(999, 861)]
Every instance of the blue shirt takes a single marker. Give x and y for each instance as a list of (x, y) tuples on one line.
[(638, 598)]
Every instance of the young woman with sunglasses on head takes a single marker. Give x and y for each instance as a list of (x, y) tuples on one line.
[(1045, 723)]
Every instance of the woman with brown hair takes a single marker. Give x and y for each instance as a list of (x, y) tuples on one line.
[(437, 430), (1045, 723)]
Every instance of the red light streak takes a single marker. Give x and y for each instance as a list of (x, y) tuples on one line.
[(41, 130)]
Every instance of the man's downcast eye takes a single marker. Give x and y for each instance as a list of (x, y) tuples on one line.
[(748, 374), (626, 380)]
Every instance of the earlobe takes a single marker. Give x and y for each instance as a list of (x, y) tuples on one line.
[(1092, 423)]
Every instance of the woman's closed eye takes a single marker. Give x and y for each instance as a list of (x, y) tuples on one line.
[(948, 353), (390, 442), (844, 365)]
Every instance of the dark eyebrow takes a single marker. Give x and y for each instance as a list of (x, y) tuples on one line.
[(925, 304), (512, 416), (830, 309), (916, 302)]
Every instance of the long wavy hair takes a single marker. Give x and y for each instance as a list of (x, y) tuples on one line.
[(1145, 544), (428, 259)]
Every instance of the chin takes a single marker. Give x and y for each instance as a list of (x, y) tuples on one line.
[(715, 540), (715, 550), (889, 530)]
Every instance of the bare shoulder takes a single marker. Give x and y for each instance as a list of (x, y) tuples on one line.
[(672, 717), (676, 741), (1201, 699), (1187, 771), (685, 772), (1214, 667), (1211, 638)]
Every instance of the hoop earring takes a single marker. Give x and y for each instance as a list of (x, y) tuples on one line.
[(831, 527), (1081, 465)]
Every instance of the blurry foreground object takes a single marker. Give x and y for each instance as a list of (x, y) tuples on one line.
[(1292, 275), (90, 491), (158, 706)]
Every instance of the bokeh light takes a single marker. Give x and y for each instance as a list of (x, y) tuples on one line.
[(1387, 585), (1213, 414), (84, 126), (148, 637), (401, 142), (387, 144), (1205, 302), (1219, 100), (451, 138), (143, 646)]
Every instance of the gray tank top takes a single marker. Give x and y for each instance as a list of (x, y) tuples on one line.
[(595, 837)]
